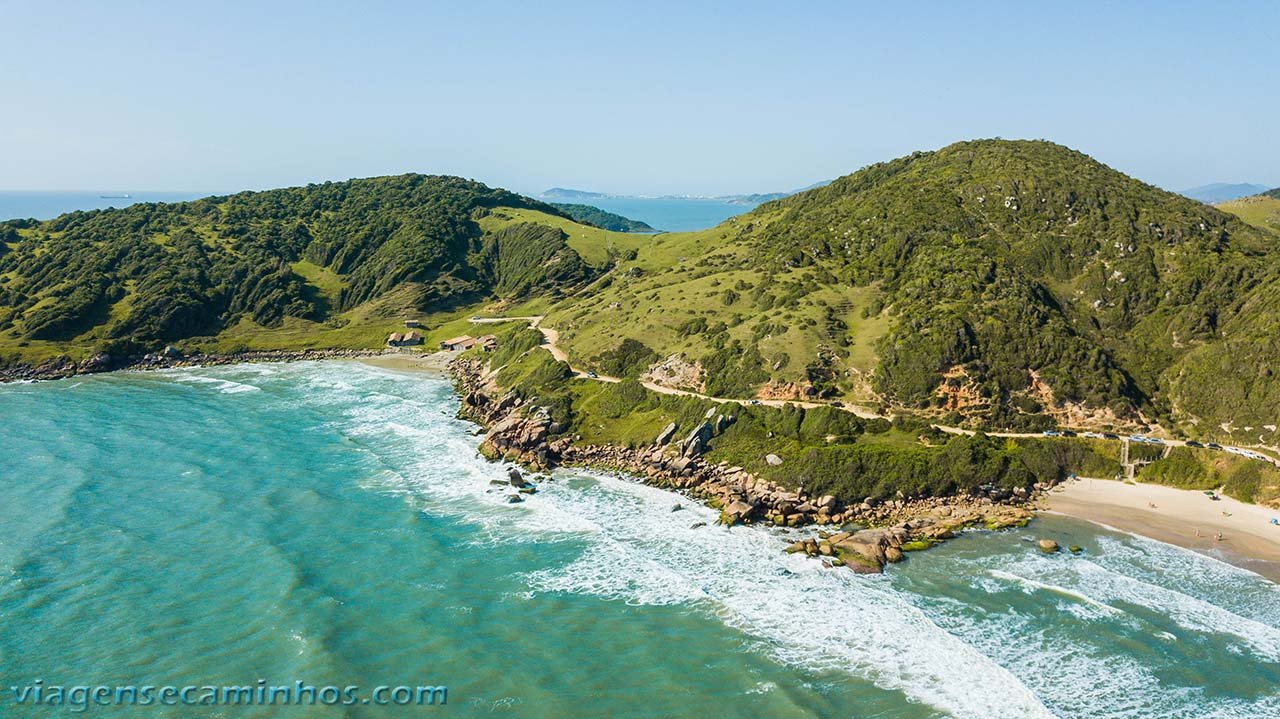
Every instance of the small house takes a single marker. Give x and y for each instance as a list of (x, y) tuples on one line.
[(453, 344), (408, 339), (412, 323), (488, 343)]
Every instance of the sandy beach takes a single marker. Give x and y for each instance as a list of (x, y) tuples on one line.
[(1182, 517), (412, 361)]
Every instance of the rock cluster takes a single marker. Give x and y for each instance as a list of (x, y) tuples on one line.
[(63, 366), (526, 434)]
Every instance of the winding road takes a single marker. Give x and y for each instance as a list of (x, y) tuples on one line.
[(550, 343)]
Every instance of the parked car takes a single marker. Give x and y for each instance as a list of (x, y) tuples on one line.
[(1068, 433), (593, 375), (1052, 433), (1193, 443), (1108, 435), (1214, 445), (755, 401)]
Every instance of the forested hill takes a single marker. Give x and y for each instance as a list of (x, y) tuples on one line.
[(991, 281), (153, 273), (597, 217)]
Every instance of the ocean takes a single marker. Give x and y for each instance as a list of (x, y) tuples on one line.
[(331, 523), (47, 205), (671, 215)]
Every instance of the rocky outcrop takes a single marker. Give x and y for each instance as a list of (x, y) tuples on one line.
[(525, 434), (665, 435), (63, 366)]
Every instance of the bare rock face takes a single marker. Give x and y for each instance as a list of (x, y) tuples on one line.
[(526, 435), (665, 435), (516, 479), (736, 512), (696, 443)]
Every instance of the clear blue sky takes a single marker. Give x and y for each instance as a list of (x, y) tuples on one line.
[(689, 96)]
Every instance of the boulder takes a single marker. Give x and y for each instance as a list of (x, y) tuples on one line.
[(736, 511), (893, 554), (1048, 546), (666, 434), (773, 460), (696, 442)]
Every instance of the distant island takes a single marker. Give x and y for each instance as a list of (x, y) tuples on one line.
[(1216, 192), (563, 194), (590, 215)]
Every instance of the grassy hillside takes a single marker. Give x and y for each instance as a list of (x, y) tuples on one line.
[(597, 217), (999, 284), (1261, 211), (338, 264), (995, 281)]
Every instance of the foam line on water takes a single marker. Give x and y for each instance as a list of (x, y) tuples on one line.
[(636, 550), (1031, 585), (639, 551), (632, 548)]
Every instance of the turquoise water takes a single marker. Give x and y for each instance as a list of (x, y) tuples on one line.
[(331, 523), (672, 215), (47, 205)]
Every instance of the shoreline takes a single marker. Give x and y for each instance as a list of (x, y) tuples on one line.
[(863, 535), (64, 367), (1181, 517)]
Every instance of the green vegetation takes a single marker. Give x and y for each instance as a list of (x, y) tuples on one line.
[(1245, 479), (991, 283), (596, 217), (826, 450), (341, 262), (1261, 211), (629, 359)]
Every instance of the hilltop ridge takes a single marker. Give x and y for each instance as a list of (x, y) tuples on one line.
[(990, 283)]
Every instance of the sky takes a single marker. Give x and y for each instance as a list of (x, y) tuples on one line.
[(644, 97)]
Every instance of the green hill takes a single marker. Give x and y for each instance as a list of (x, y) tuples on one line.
[(1004, 283), (336, 264), (1261, 211), (597, 217), (1009, 284)]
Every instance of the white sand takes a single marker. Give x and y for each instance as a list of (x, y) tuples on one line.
[(1183, 517)]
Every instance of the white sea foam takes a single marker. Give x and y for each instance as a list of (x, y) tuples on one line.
[(1111, 587), (1031, 585), (636, 550), (225, 386), (937, 650)]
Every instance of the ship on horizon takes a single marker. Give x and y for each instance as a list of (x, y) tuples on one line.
[(125, 196)]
